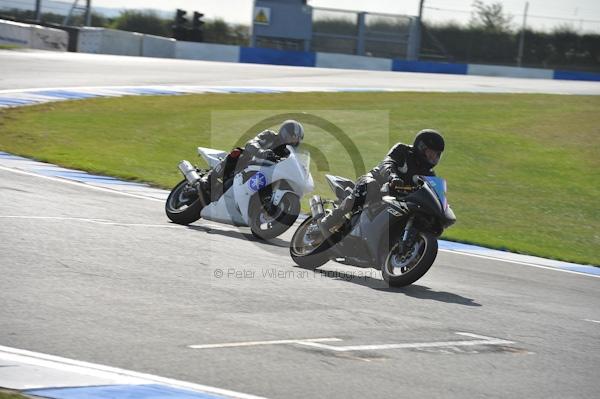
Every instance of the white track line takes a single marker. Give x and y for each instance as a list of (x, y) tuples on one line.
[(167, 225), (482, 340), (101, 371), (95, 221), (592, 321), (489, 257), (259, 343), (76, 183), (317, 343)]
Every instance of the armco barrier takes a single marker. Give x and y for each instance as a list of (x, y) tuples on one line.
[(156, 46), (429, 67), (207, 52), (255, 55), (33, 36), (329, 60), (507, 71)]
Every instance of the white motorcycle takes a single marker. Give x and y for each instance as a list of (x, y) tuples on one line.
[(265, 195)]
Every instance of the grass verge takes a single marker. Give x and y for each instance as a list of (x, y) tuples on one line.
[(11, 395), (9, 47), (523, 170)]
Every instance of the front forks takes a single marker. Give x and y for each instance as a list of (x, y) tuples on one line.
[(407, 236)]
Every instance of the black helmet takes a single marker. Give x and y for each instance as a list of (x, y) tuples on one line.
[(429, 139), (291, 132)]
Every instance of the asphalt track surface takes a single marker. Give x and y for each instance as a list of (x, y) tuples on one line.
[(105, 278), (38, 69), (102, 277)]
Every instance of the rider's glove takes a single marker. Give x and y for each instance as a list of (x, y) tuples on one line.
[(267, 154), (396, 183)]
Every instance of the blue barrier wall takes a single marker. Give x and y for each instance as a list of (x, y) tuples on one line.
[(257, 55), (572, 75), (429, 67)]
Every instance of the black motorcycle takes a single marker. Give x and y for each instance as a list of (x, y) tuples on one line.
[(397, 235)]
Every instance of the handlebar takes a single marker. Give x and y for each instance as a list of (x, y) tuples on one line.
[(401, 189), (407, 188), (265, 161), (262, 162)]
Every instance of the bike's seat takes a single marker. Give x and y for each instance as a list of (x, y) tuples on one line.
[(262, 162), (340, 185), (211, 156)]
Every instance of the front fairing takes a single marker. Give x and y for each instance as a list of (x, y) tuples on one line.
[(295, 169), (431, 198)]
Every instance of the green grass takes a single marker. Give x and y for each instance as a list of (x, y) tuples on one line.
[(9, 47), (11, 395), (522, 170)]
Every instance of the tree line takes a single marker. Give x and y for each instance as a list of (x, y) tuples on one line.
[(490, 38), (560, 49)]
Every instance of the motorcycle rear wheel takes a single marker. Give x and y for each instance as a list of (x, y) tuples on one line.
[(183, 205)]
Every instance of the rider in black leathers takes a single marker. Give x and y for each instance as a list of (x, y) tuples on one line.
[(399, 168), (267, 145)]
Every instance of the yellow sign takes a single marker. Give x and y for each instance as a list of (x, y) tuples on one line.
[(262, 15)]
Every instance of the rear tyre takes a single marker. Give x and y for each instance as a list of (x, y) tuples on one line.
[(308, 247), (183, 205), (400, 270), (268, 221)]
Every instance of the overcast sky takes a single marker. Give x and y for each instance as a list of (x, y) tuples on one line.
[(579, 14)]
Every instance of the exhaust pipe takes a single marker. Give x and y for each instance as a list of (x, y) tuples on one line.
[(189, 171), (316, 206)]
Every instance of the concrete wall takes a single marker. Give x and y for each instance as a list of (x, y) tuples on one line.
[(15, 33), (33, 36), (109, 41), (156, 46), (89, 40), (207, 52), (346, 61), (506, 71), (121, 43)]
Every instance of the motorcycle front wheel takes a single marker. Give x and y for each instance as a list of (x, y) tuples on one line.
[(308, 247), (402, 269), (183, 205)]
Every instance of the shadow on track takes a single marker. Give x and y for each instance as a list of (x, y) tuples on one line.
[(239, 234), (423, 292), (414, 290)]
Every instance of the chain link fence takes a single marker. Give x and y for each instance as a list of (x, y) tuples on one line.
[(362, 33)]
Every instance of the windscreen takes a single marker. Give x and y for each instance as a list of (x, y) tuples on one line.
[(438, 185), (302, 155)]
